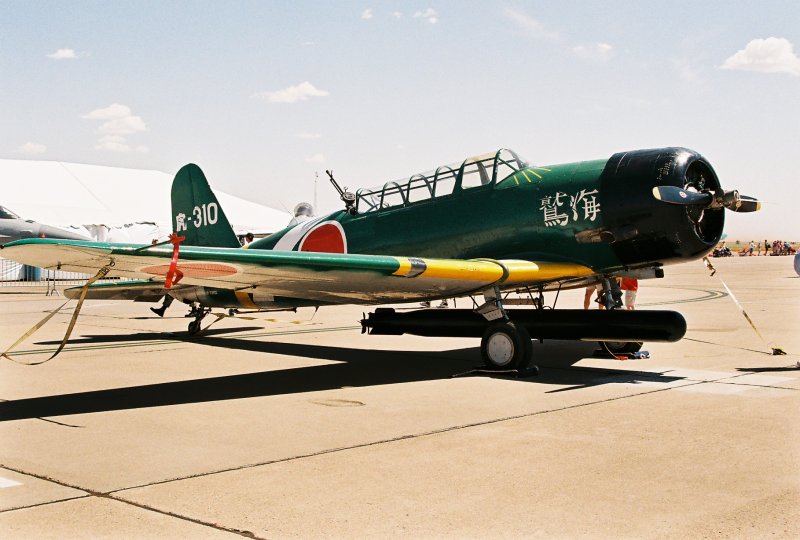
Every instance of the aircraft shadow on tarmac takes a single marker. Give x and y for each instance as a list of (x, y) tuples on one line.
[(353, 367)]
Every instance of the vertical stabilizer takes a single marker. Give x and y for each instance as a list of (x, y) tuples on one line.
[(196, 213)]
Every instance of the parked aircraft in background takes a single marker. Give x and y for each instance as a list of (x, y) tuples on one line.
[(13, 227), (481, 228)]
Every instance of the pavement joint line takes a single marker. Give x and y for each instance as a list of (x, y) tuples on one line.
[(109, 495), (26, 507), (399, 438), (722, 381)]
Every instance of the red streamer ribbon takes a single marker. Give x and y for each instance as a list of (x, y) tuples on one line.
[(174, 275)]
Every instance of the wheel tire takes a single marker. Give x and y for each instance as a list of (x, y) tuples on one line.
[(621, 347), (506, 345), (194, 327)]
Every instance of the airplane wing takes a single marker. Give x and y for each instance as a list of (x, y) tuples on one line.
[(322, 277)]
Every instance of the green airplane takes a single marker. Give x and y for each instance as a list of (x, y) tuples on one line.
[(485, 227)]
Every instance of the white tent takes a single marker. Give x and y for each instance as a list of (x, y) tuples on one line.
[(112, 204)]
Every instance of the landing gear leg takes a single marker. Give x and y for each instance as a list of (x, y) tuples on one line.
[(199, 313), (611, 298)]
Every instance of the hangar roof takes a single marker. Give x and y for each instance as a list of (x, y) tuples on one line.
[(71, 194)]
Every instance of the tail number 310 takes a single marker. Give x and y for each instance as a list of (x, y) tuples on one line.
[(206, 214)]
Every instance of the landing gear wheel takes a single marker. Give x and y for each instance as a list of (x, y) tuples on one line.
[(506, 345), (615, 348), (194, 327)]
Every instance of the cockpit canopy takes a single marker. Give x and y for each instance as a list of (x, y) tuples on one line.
[(5, 213), (473, 172)]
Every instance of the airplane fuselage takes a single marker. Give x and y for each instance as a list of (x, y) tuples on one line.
[(599, 213)]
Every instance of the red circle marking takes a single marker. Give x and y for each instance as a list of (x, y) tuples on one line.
[(193, 270), (327, 238)]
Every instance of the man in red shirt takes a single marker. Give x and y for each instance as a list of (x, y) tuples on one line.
[(630, 286)]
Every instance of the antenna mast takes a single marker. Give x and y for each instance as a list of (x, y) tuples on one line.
[(316, 178)]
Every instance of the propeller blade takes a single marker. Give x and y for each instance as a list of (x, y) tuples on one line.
[(748, 204), (676, 195)]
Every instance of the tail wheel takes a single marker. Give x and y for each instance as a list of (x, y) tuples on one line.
[(506, 345), (621, 347)]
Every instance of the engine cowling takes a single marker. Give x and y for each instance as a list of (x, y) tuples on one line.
[(640, 227)]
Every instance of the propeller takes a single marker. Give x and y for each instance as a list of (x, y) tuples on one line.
[(731, 200)]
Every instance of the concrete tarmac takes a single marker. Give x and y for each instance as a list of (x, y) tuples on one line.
[(296, 425)]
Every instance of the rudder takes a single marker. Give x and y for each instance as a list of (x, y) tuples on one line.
[(196, 213)]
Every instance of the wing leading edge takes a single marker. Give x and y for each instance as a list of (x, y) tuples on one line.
[(323, 277)]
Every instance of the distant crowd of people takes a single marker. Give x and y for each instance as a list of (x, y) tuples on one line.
[(777, 247)]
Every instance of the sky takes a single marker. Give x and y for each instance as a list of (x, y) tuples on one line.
[(263, 95)]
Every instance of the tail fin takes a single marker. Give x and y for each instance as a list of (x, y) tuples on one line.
[(196, 213)]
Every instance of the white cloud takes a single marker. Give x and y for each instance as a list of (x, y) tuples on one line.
[(32, 148), (308, 135), (316, 158), (599, 52), (687, 70), (63, 54), (771, 55), (429, 15), (292, 94), (366, 14), (112, 143), (531, 26), (397, 14), (119, 120), (123, 126), (115, 110)]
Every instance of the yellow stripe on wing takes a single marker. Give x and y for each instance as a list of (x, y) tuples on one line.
[(405, 266), (460, 270), (520, 272), (508, 272), (463, 270)]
